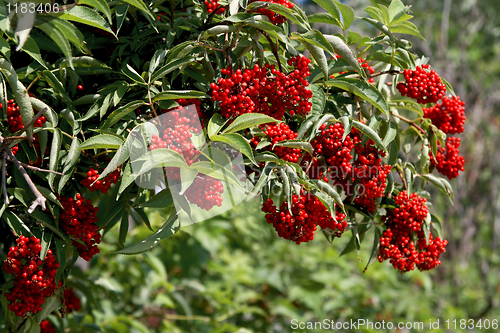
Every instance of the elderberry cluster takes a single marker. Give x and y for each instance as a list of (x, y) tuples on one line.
[(280, 132), (33, 277), (299, 223), (47, 327), (205, 192), (422, 84), (448, 161), (252, 91), (15, 122), (100, 185), (212, 6), (396, 243), (449, 116), (275, 18), (71, 301), (79, 219)]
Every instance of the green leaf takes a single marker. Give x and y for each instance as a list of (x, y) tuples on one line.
[(390, 134), (132, 74), (406, 27), (71, 159), (270, 28), (215, 124), (395, 8), (102, 141), (375, 248), (317, 39), (308, 122), (363, 90), (124, 225), (332, 8), (121, 112), (303, 145), (156, 60), (448, 87), (142, 6), (16, 224), (187, 175), (176, 94), (378, 14), (54, 155), (369, 133), (70, 32), (442, 184), (237, 141), (318, 55), (379, 25), (100, 5), (347, 14), (54, 82), (248, 120), (86, 15), (331, 191), (168, 229), (173, 65), (31, 48), (346, 121), (345, 52), (322, 17), (282, 10), (161, 200)]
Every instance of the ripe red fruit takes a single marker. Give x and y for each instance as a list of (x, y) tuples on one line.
[(422, 84), (80, 87), (449, 116), (448, 161)]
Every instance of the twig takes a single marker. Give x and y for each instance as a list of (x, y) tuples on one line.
[(4, 182), (273, 49), (40, 199), (409, 122), (34, 168), (392, 72), (210, 47), (90, 157)]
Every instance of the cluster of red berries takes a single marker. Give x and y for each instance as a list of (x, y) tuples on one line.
[(205, 192), (449, 116), (364, 64), (448, 161), (280, 132), (187, 112), (212, 5), (396, 243), (47, 327), (15, 123), (100, 185), (299, 223), (33, 277), (252, 91), (79, 219), (275, 18), (422, 84), (71, 301)]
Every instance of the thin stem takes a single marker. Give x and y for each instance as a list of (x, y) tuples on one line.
[(172, 13), (32, 121), (411, 122), (211, 47), (40, 199), (273, 49), (34, 168), (392, 72), (4, 182), (400, 172), (32, 82)]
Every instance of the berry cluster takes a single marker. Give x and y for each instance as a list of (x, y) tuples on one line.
[(448, 161), (300, 222), (205, 192), (79, 219), (449, 116), (100, 185), (47, 327), (33, 277), (252, 91), (422, 84), (71, 301), (275, 18), (280, 132), (212, 5), (186, 112), (396, 242), (15, 123)]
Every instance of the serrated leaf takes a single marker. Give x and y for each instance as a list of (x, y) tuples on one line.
[(248, 120), (16, 224), (237, 141), (306, 125), (325, 118), (303, 145), (71, 159), (375, 248), (100, 5), (331, 7), (215, 124), (369, 133), (121, 112), (176, 94), (379, 25), (102, 141), (132, 74), (318, 55), (171, 66), (161, 200), (442, 186), (346, 121), (156, 60), (363, 90), (331, 191), (270, 28), (448, 87), (390, 134), (168, 229), (406, 27), (345, 52), (348, 14), (54, 155), (86, 15)]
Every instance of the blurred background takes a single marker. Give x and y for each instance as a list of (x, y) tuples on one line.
[(233, 274)]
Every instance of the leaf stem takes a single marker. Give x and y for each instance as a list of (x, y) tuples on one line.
[(274, 49), (411, 122)]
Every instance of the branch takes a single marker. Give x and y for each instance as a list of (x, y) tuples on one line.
[(409, 122), (34, 168), (273, 49), (40, 199)]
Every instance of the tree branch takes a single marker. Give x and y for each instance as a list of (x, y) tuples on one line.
[(4, 182)]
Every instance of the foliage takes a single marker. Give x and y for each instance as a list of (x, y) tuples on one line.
[(171, 56)]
